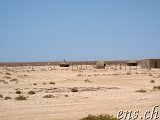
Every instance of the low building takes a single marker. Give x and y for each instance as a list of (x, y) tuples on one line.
[(132, 63), (100, 65), (150, 63), (64, 64)]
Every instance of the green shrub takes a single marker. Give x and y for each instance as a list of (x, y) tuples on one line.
[(99, 117), (20, 97)]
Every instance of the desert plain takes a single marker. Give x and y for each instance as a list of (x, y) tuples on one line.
[(59, 93)]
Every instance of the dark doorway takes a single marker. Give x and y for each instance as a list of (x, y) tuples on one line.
[(155, 64)]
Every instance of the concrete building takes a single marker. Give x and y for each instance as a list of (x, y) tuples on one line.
[(150, 63)]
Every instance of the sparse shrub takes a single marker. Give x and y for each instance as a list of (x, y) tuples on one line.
[(99, 117), (152, 81), (156, 88), (1, 96), (7, 98), (2, 81), (8, 73), (31, 92), (20, 97), (79, 75), (87, 80), (74, 89), (49, 96), (44, 83), (66, 95), (7, 77), (150, 74), (52, 83), (14, 80), (5, 82), (141, 91), (34, 83), (128, 73), (18, 92)]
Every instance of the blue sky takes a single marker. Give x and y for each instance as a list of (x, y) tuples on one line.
[(51, 30)]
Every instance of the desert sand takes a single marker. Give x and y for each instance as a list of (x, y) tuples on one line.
[(100, 91)]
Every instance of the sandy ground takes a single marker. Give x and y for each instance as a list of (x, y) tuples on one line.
[(99, 92)]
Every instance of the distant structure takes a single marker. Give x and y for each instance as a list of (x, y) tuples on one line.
[(150, 63), (64, 64), (132, 63), (100, 65)]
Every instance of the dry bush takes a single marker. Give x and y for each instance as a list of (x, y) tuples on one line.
[(18, 92), (34, 83), (52, 83), (141, 91), (49, 96), (128, 73), (150, 74), (66, 95), (31, 92), (99, 117), (87, 80), (1, 96), (79, 75), (20, 97), (152, 81), (7, 73), (44, 83), (14, 80), (7, 98), (74, 89), (156, 88), (2, 81), (7, 77)]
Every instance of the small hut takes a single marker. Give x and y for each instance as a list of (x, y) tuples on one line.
[(64, 64), (100, 65), (132, 63)]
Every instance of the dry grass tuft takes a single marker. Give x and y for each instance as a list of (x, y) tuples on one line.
[(74, 89), (14, 80), (156, 88), (20, 97), (99, 117), (7, 77), (52, 83), (128, 73), (8, 73), (18, 92), (152, 81), (1, 96), (49, 96), (88, 81), (31, 92), (141, 91), (7, 98)]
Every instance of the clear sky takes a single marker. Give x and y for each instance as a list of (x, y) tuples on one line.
[(51, 30)]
